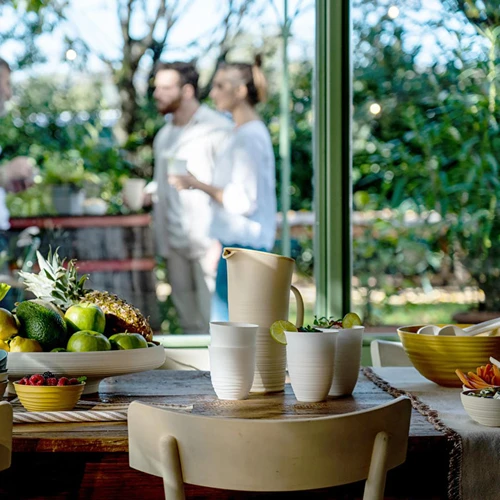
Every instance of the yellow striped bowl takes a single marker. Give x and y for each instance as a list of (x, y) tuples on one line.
[(437, 357), (49, 397)]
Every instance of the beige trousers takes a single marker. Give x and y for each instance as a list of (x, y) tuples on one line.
[(191, 285)]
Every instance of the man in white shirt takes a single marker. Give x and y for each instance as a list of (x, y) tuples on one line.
[(188, 142), (16, 174)]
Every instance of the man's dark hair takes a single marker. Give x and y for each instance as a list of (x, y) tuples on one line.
[(187, 73), (4, 65)]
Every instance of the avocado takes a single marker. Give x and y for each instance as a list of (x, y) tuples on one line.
[(42, 322)]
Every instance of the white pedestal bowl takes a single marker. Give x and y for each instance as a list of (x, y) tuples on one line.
[(95, 365)]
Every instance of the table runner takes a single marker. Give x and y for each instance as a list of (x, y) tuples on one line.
[(84, 411), (474, 472)]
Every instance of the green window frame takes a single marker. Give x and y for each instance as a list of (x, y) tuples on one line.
[(332, 158)]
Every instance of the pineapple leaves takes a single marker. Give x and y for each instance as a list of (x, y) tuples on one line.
[(55, 282)]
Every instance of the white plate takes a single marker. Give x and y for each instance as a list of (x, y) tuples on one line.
[(94, 365)]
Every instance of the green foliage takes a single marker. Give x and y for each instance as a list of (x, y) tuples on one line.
[(301, 186), (69, 141)]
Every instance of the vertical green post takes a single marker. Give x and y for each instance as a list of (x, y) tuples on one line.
[(333, 158), (285, 138)]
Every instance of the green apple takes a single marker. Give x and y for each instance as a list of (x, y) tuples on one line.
[(85, 316), (87, 340), (128, 341)]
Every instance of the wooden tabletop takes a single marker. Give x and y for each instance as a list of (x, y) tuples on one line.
[(95, 447)]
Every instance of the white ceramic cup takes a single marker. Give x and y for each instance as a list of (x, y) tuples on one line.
[(233, 334), (347, 361), (232, 370), (310, 358), (133, 193), (177, 167)]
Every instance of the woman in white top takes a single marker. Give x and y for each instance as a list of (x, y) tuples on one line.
[(244, 183)]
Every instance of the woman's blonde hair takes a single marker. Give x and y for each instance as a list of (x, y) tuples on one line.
[(252, 77)]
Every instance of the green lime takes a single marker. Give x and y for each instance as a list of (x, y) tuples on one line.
[(128, 341), (85, 316), (59, 349), (278, 329), (350, 320), (87, 340)]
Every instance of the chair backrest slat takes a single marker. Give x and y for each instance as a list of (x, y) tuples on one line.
[(388, 353), (270, 455)]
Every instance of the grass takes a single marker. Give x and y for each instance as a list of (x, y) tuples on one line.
[(408, 314)]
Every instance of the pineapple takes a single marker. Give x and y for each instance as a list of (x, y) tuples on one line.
[(61, 286)]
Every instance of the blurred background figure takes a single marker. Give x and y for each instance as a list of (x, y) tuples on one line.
[(244, 184), (188, 142)]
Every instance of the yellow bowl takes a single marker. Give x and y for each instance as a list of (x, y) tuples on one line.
[(437, 357), (49, 397)]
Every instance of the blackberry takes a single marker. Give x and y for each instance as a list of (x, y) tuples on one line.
[(48, 375)]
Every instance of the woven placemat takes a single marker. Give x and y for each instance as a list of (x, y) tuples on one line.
[(84, 411)]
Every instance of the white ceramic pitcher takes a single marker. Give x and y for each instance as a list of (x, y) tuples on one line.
[(259, 285)]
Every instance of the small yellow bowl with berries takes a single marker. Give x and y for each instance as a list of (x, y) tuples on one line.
[(49, 393)]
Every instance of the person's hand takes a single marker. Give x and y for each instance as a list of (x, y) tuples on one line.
[(181, 182), (17, 174)]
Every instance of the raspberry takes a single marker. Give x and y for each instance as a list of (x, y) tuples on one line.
[(73, 381), (51, 381), (37, 379), (24, 381), (63, 381)]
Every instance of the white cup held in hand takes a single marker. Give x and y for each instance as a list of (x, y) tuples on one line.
[(133, 193)]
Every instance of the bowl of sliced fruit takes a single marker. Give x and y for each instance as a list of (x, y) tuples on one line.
[(70, 330)]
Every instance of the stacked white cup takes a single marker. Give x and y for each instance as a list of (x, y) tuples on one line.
[(232, 358)]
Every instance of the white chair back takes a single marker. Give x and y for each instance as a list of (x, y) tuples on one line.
[(269, 455), (388, 353)]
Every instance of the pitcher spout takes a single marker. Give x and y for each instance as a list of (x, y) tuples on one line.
[(228, 252)]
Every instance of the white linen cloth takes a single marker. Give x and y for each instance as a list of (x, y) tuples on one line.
[(479, 473), (182, 218), (245, 169)]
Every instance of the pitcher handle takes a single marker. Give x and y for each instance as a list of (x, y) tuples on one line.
[(300, 306)]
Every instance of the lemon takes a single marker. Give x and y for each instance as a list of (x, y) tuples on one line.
[(4, 346), (8, 324), (20, 344), (278, 329), (350, 320)]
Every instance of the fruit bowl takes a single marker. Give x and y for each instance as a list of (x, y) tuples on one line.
[(437, 357), (94, 365), (49, 398)]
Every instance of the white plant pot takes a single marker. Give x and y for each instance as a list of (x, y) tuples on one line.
[(347, 361), (311, 357)]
